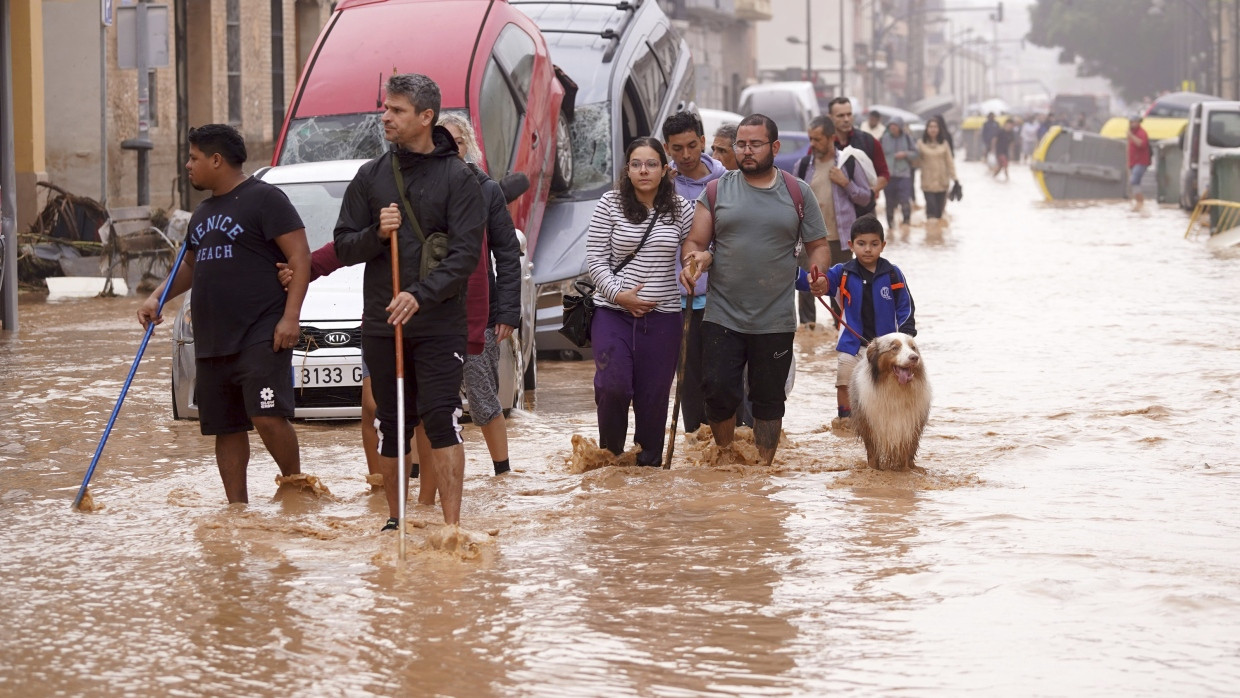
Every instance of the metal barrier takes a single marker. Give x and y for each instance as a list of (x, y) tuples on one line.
[(1223, 217), (1070, 164)]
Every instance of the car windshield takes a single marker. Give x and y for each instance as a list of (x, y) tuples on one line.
[(782, 107), (338, 137), (1179, 111), (318, 204), (592, 157)]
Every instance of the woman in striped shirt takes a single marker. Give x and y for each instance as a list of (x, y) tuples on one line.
[(636, 328)]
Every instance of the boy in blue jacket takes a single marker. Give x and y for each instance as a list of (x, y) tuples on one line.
[(874, 296)]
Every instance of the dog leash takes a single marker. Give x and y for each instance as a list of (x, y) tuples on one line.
[(814, 275)]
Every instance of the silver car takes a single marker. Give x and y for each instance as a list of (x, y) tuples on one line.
[(327, 363)]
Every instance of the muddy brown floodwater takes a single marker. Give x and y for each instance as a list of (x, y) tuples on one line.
[(1077, 533)]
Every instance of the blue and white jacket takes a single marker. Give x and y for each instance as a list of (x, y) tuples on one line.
[(893, 304)]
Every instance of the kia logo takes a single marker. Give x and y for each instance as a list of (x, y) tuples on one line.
[(336, 338)]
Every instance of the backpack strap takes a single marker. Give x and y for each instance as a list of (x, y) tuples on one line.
[(803, 165), (712, 193)]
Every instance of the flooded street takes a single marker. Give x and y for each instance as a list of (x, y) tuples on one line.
[(1077, 532)]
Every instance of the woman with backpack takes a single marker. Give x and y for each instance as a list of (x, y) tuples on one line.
[(938, 169), (633, 240)]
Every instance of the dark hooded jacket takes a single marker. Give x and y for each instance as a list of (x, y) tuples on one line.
[(505, 277), (446, 198)]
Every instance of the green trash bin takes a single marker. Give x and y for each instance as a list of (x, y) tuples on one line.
[(1168, 157), (1224, 184)]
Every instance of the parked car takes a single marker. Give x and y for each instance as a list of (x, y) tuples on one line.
[(791, 105), (632, 70), (1213, 129), (327, 362), (793, 145), (490, 62), (1177, 104), (712, 119)]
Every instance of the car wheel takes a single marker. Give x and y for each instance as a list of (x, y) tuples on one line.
[(176, 411), (562, 176)]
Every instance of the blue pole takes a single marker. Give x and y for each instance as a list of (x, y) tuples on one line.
[(132, 370)]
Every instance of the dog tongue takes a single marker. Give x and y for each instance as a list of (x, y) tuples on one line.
[(903, 375)]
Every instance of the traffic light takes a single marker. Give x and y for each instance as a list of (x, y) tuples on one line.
[(999, 12)]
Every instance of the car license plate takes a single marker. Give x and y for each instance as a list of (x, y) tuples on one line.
[(320, 376)]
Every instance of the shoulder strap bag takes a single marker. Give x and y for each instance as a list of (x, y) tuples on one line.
[(435, 247)]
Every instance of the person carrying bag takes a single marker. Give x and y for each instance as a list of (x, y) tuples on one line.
[(631, 249)]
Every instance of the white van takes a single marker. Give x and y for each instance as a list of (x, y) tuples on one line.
[(791, 105), (1213, 128)]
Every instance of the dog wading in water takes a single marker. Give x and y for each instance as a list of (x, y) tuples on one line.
[(890, 402)]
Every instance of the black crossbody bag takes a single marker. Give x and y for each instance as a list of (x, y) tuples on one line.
[(579, 309)]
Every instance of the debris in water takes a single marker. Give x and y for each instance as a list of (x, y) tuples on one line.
[(456, 541), (588, 456), (700, 448), (375, 480), (305, 482), (88, 503)]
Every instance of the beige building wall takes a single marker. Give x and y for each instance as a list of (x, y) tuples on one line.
[(29, 130), (69, 52)]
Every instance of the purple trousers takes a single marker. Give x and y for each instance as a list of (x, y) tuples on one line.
[(634, 363)]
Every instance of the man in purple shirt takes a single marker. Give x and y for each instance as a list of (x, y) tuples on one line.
[(839, 182)]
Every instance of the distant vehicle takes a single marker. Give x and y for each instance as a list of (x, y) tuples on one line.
[(327, 361), (793, 145), (490, 62), (632, 70), (1178, 104), (712, 119), (791, 105), (1213, 129)]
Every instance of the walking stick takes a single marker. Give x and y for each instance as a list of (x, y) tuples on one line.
[(680, 371), (401, 483), (150, 327)]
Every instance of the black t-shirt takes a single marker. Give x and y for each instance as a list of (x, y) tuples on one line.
[(236, 297), (867, 303)]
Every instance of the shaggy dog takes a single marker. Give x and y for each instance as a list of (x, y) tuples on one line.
[(890, 399)]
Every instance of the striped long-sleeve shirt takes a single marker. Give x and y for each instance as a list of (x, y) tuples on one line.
[(612, 237)]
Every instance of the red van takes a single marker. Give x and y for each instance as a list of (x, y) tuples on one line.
[(490, 62)]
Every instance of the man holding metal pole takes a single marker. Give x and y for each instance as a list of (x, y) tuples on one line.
[(245, 324), (427, 197)]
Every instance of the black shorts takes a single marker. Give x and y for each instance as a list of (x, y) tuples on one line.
[(725, 353), (229, 390), (434, 368)]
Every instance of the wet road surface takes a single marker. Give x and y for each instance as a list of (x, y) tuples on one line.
[(1077, 533)]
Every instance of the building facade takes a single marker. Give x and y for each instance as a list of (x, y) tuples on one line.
[(241, 60)]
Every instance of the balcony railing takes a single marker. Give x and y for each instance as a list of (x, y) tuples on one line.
[(753, 10)]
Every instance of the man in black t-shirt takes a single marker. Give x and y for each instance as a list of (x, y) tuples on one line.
[(245, 324)]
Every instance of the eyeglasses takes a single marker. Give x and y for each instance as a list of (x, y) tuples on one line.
[(754, 146), (637, 165)]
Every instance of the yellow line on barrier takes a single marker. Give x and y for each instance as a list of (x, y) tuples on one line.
[(1039, 155)]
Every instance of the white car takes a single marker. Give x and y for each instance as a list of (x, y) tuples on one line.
[(327, 363)]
